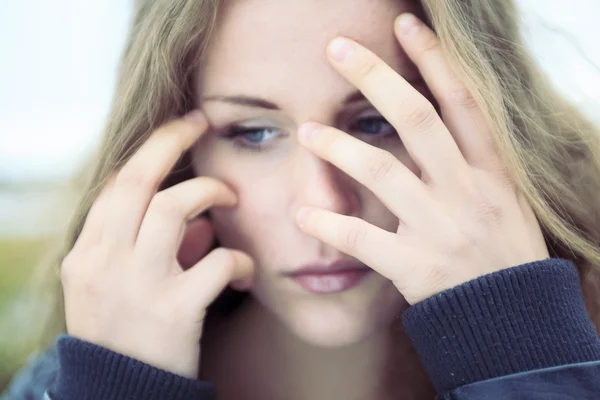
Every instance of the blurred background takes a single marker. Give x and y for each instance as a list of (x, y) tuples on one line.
[(57, 74)]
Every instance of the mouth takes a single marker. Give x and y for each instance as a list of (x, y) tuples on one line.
[(327, 277)]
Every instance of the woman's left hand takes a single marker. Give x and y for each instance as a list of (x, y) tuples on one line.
[(463, 217)]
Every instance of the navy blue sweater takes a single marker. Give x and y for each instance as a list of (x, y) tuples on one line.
[(520, 333)]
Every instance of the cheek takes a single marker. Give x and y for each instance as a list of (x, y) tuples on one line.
[(261, 223), (257, 222)]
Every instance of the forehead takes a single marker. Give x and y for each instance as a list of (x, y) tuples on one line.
[(278, 46)]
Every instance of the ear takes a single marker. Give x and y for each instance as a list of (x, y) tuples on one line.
[(197, 241)]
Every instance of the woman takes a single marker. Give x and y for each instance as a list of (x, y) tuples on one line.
[(402, 172)]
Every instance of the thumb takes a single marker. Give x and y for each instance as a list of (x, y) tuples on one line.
[(197, 240), (206, 280)]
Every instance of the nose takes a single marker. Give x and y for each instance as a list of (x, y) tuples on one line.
[(323, 185)]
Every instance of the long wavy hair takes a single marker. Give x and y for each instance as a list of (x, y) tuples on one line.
[(548, 145)]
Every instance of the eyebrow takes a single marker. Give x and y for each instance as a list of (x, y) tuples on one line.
[(243, 100), (249, 101)]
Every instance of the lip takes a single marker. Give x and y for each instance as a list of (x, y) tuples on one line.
[(325, 277)]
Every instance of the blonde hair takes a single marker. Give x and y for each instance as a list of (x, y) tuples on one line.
[(549, 146)]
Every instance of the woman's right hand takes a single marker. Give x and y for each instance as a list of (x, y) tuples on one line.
[(123, 285)]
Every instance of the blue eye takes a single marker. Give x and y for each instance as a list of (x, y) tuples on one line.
[(257, 135), (252, 135), (376, 125), (251, 138)]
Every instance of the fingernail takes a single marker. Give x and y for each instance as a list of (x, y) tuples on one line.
[(409, 24), (308, 130), (340, 49), (302, 215), (195, 116)]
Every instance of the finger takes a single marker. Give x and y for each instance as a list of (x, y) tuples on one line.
[(141, 176), (207, 279), (163, 226), (461, 113), (355, 237), (422, 131), (398, 188), (91, 233), (197, 240)]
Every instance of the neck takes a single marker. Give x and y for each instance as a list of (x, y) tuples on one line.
[(251, 355)]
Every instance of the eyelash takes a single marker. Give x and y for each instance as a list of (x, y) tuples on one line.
[(236, 132)]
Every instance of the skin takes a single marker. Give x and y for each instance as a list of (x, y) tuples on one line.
[(437, 211), (275, 183), (283, 62)]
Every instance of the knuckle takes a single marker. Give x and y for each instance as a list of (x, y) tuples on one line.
[(422, 117), (73, 275), (91, 288), (66, 268), (490, 212), (458, 244), (488, 209), (461, 96), (380, 164), (131, 177), (367, 67), (81, 264), (353, 236), (431, 45)]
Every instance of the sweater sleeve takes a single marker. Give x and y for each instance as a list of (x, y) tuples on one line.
[(91, 372), (526, 318)]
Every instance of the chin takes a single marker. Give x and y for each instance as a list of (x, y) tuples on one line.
[(330, 327), (340, 319)]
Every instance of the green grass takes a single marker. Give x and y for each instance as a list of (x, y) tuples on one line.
[(18, 259)]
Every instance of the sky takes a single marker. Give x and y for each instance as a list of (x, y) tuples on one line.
[(59, 59)]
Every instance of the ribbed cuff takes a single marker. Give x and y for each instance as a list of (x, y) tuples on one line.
[(91, 372), (527, 317)]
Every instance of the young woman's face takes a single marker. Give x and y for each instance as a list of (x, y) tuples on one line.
[(270, 55)]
